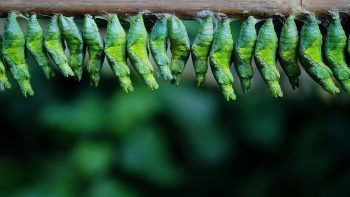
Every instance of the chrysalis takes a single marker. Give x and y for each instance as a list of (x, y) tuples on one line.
[(179, 46), (115, 49), (3, 77), (334, 49), (158, 47), (288, 49), (243, 53), (265, 57), (94, 42), (74, 40), (35, 46), (137, 51), (53, 45), (220, 59), (310, 55), (200, 48), (13, 51)]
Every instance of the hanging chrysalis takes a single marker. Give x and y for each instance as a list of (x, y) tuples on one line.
[(94, 42), (3, 77), (243, 53), (115, 49), (334, 49), (288, 49), (311, 57), (55, 48), (158, 47), (265, 57), (13, 51), (35, 46), (179, 46), (220, 58), (200, 48), (137, 51), (74, 40)]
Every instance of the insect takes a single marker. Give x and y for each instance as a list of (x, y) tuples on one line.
[(243, 53), (3, 77), (115, 50), (310, 55), (137, 51), (72, 35), (54, 47), (220, 58), (94, 42), (288, 50), (334, 49), (13, 51), (265, 57), (158, 47), (179, 47), (35, 46), (200, 48)]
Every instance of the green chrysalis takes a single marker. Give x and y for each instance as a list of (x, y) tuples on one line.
[(3, 77), (72, 35), (200, 48), (158, 47), (265, 57), (94, 42), (179, 46), (220, 58), (55, 48), (115, 50), (35, 46), (243, 53), (137, 51), (334, 49), (13, 51), (288, 50), (310, 47)]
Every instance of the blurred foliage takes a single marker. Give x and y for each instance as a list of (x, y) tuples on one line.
[(71, 139)]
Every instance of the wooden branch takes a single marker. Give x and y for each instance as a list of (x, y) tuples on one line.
[(322, 7), (183, 8)]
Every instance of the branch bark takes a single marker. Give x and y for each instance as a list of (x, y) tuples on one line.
[(183, 8)]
